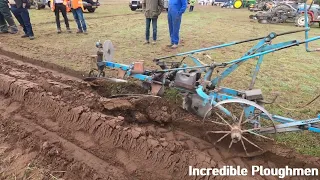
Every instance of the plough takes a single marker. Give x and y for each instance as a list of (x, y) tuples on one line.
[(203, 94)]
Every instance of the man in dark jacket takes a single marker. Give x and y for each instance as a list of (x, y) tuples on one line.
[(153, 9), (6, 17), (20, 11)]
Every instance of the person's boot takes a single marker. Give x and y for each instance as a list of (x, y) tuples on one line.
[(59, 30), (31, 37), (24, 36), (69, 30), (4, 32), (154, 42), (175, 46), (13, 29), (79, 31), (12, 25)]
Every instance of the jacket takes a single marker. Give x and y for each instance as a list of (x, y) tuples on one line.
[(178, 5), (65, 2), (74, 4), (153, 8)]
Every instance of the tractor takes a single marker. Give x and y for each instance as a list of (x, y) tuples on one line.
[(237, 4), (313, 16)]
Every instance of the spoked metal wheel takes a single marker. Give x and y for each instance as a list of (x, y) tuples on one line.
[(244, 124)]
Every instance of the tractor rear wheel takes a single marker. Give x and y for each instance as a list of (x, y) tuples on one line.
[(37, 6), (91, 10), (300, 20)]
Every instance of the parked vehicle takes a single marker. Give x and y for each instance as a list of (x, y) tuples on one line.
[(313, 15), (134, 5), (38, 4), (166, 4)]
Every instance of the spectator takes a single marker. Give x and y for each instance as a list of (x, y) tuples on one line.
[(56, 7), (153, 9), (192, 3), (176, 9), (77, 8), (20, 11), (6, 17)]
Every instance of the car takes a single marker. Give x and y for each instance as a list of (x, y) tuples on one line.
[(134, 5), (89, 5), (38, 4)]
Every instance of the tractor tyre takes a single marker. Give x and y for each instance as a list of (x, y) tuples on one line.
[(37, 6), (91, 10), (133, 9), (300, 20)]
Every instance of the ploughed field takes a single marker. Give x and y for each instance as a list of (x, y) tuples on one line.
[(56, 126)]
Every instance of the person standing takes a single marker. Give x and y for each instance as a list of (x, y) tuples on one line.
[(6, 17), (192, 3), (58, 6), (176, 9), (20, 11), (77, 11), (153, 9)]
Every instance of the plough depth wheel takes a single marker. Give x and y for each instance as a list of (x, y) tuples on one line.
[(246, 119)]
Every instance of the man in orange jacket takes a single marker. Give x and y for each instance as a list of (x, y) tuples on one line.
[(77, 11), (56, 7)]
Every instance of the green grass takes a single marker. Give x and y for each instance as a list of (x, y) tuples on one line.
[(293, 73)]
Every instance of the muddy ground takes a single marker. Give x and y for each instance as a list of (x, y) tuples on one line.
[(56, 126)]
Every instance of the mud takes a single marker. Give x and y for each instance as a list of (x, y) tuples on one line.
[(55, 125)]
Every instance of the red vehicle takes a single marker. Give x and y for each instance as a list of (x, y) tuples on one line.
[(313, 17)]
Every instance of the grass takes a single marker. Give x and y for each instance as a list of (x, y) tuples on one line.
[(293, 73)]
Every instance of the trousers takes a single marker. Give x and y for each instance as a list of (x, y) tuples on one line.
[(22, 15), (154, 28), (61, 7), (3, 24), (174, 21), (6, 17), (78, 17)]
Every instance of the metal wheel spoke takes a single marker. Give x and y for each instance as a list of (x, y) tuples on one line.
[(251, 132), (206, 114), (244, 147), (252, 143), (252, 129), (224, 120), (255, 116), (218, 132), (219, 123), (222, 138), (241, 117), (230, 144)]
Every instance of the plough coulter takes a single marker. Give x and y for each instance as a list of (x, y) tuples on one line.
[(203, 95)]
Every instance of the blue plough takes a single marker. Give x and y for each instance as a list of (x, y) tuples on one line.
[(203, 94)]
